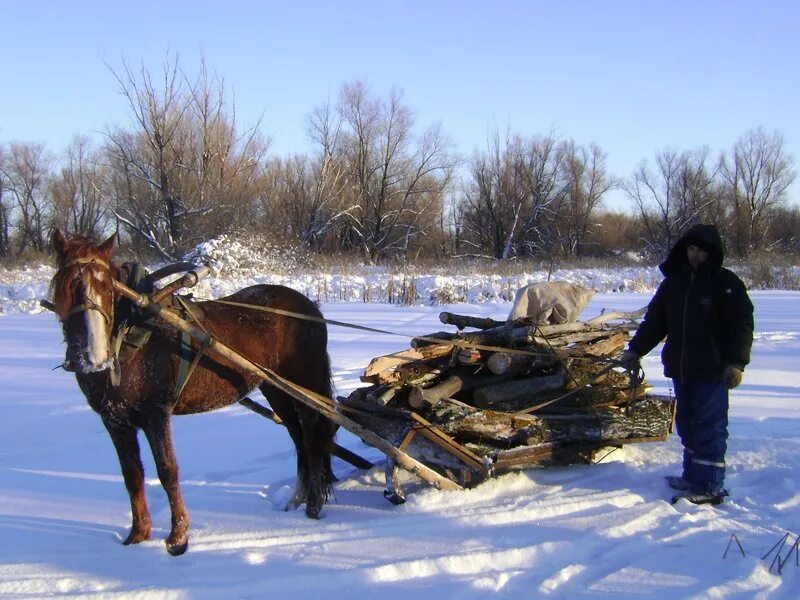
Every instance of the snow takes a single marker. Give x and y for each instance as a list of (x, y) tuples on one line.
[(20, 290), (605, 530)]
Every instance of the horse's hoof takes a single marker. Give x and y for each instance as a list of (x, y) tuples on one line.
[(178, 549), (312, 510), (394, 497), (134, 537)]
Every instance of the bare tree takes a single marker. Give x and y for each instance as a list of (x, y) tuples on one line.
[(508, 203), (494, 198), (5, 209), (302, 195), (80, 192), (329, 173), (543, 165), (672, 198), (223, 163), (758, 175), (26, 171), (183, 170), (585, 181), (395, 181), (785, 233)]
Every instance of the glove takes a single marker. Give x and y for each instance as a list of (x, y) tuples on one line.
[(629, 359), (732, 376)]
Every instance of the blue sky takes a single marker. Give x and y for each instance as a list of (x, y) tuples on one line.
[(633, 76)]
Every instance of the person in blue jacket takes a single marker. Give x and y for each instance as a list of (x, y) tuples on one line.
[(705, 314)]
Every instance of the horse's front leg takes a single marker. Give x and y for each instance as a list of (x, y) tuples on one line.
[(159, 434), (127, 447)]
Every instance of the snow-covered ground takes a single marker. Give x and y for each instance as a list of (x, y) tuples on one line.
[(21, 289), (605, 530)]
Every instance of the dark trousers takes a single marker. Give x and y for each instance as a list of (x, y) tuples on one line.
[(702, 421)]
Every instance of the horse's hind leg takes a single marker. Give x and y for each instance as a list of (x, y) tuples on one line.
[(159, 434), (127, 447), (283, 405), (317, 440)]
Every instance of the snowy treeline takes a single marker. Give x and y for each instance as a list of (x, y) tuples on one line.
[(375, 184)]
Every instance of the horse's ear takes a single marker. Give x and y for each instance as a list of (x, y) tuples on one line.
[(107, 246), (60, 243)]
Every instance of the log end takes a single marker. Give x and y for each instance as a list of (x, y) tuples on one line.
[(416, 398)]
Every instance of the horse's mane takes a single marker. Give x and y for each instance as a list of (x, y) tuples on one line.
[(62, 286)]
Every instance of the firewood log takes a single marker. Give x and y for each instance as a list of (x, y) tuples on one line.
[(491, 395), (461, 379), (597, 374), (609, 346), (643, 418), (501, 363), (496, 336), (462, 321), (384, 364), (566, 339), (567, 401), (433, 338), (469, 356)]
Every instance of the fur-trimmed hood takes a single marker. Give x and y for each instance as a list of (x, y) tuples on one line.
[(706, 237)]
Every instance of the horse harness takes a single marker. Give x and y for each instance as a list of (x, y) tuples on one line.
[(131, 328), (134, 326)]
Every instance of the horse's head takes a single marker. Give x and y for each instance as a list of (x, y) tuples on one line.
[(83, 295)]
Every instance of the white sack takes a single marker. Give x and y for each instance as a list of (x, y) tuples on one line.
[(551, 302)]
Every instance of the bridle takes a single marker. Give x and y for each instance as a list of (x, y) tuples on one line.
[(88, 303)]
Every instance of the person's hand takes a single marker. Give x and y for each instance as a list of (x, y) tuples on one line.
[(732, 376), (629, 359)]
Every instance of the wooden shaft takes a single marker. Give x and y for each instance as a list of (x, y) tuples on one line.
[(441, 439), (337, 450), (261, 410), (324, 406), (189, 280)]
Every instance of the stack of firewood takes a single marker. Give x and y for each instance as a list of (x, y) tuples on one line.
[(516, 392)]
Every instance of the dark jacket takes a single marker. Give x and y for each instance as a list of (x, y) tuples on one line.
[(705, 315)]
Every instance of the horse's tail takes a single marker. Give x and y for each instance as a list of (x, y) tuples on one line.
[(327, 390)]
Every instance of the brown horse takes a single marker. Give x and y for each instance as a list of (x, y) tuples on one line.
[(145, 395)]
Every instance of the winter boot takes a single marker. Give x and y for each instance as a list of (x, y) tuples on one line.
[(713, 497), (678, 483)]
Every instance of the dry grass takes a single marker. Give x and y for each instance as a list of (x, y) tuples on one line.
[(30, 257), (348, 264), (771, 272)]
